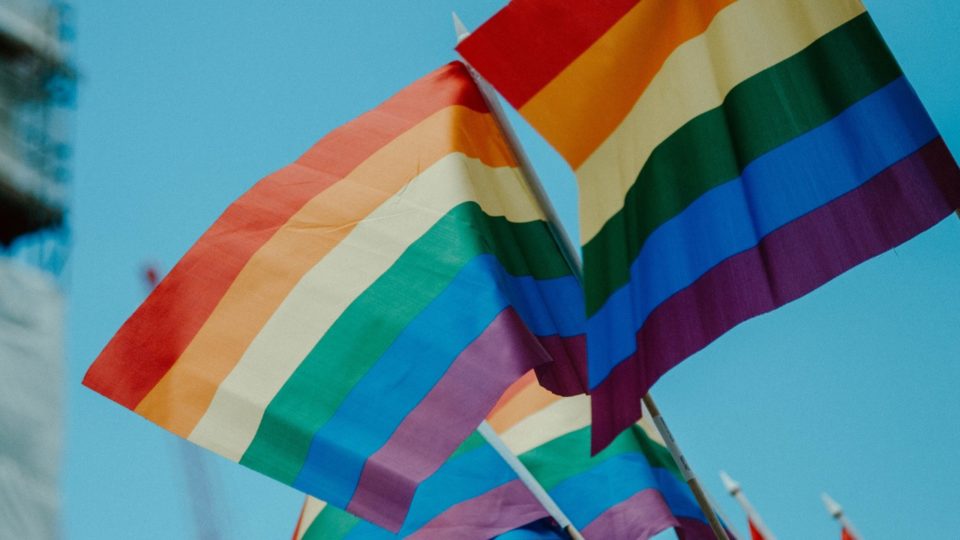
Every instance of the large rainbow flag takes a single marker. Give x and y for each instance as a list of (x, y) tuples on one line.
[(350, 320), (731, 157), (633, 489)]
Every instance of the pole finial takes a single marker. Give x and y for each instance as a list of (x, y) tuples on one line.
[(459, 28), (832, 507), (729, 483)]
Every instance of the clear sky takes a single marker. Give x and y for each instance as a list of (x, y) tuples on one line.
[(184, 105)]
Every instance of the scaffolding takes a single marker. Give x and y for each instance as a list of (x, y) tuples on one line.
[(37, 88)]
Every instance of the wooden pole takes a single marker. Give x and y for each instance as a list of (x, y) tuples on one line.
[(734, 489), (685, 469), (572, 256)]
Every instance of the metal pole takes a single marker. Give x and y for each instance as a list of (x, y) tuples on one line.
[(528, 480), (734, 489), (567, 248), (837, 512), (571, 254), (573, 259)]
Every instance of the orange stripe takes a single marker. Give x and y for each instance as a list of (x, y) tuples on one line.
[(513, 390), (581, 106), (182, 396), (524, 402)]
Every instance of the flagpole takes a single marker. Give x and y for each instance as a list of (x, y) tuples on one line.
[(837, 512), (572, 257), (734, 489), (685, 469), (528, 480)]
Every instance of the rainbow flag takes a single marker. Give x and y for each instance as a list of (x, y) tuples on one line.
[(474, 494), (731, 157), (633, 489), (350, 320)]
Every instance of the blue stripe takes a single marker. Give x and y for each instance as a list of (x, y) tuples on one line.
[(775, 189), (465, 477), (418, 358), (460, 479), (586, 496)]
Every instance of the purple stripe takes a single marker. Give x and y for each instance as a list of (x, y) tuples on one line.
[(567, 374), (894, 206), (694, 529), (641, 516), (495, 512), (440, 422)]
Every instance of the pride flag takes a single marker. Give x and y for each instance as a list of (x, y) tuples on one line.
[(731, 157), (350, 320), (475, 494), (633, 489)]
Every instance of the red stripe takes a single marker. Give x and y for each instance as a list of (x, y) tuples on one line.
[(431, 432), (162, 327), (510, 43), (894, 206)]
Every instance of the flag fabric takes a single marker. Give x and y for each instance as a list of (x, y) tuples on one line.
[(475, 494), (631, 490), (846, 534), (731, 157), (351, 319)]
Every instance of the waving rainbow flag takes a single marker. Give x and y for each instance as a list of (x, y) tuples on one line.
[(731, 156), (633, 489), (474, 494), (350, 320)]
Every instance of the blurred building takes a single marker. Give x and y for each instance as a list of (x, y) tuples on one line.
[(36, 92)]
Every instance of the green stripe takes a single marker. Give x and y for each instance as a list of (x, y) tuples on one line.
[(569, 455), (331, 524), (374, 320), (475, 440), (758, 115)]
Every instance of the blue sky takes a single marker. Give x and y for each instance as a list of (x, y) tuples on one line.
[(184, 105)]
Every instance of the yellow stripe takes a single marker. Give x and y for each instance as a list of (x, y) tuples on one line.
[(180, 398), (558, 418), (743, 40), (311, 509), (230, 423), (595, 91)]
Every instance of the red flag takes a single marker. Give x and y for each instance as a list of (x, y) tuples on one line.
[(847, 535), (755, 533)]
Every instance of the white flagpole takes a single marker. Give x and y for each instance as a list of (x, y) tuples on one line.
[(528, 480), (734, 489), (569, 253), (572, 256), (837, 512)]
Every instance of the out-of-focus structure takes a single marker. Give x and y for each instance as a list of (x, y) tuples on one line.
[(36, 95)]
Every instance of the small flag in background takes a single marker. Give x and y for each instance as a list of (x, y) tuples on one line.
[(350, 320), (731, 156), (631, 490), (755, 533)]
